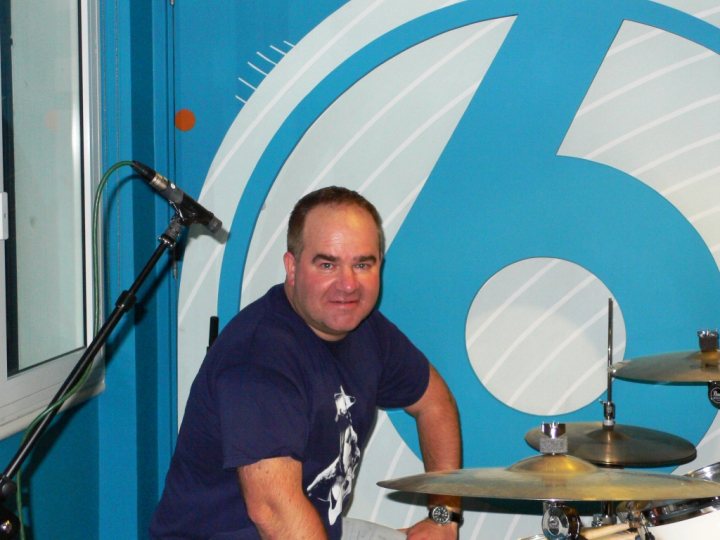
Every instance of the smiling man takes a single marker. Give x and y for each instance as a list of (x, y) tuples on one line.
[(333, 274), (284, 403)]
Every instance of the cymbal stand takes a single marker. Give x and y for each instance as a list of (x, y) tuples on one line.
[(609, 406), (607, 515)]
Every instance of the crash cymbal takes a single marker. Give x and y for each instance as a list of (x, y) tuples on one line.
[(689, 366), (621, 446), (557, 478)]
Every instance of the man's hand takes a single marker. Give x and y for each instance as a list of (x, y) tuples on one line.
[(427, 529)]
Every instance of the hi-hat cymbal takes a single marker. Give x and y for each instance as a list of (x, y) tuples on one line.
[(621, 446), (557, 478), (688, 366)]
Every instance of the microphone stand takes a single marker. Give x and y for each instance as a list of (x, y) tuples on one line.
[(9, 523)]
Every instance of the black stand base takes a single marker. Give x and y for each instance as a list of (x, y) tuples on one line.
[(9, 523)]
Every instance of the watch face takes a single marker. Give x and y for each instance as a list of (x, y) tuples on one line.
[(440, 514)]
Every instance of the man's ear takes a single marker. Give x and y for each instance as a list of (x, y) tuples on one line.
[(290, 265)]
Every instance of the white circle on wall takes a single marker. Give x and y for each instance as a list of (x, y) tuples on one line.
[(537, 336)]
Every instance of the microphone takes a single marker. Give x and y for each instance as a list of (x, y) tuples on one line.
[(189, 209)]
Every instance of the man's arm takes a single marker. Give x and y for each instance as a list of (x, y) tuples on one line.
[(438, 427), (275, 500)]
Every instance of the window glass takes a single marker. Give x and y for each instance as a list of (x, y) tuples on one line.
[(50, 148), (43, 179)]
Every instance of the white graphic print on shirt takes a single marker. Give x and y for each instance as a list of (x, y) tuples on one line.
[(335, 482)]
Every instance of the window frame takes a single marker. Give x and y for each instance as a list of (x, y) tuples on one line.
[(25, 394)]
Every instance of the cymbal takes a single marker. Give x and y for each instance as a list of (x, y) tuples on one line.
[(557, 478), (688, 366), (621, 446)]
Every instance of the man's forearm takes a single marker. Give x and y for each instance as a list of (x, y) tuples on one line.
[(276, 502), (440, 444), (294, 519), (438, 427)]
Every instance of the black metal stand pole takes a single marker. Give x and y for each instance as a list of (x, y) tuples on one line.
[(125, 302)]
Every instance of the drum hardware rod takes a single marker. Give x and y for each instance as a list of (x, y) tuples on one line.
[(640, 523), (609, 406), (607, 514)]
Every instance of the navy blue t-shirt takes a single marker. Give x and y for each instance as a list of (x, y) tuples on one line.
[(270, 387)]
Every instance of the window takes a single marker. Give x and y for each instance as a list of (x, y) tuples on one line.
[(50, 155)]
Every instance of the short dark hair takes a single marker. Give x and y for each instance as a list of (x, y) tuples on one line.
[(332, 195)]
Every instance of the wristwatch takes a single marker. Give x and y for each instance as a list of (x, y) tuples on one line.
[(442, 515)]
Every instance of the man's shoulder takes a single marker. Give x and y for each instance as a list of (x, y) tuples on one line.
[(268, 310), (379, 323), (267, 323)]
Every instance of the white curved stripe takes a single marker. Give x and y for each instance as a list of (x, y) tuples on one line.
[(577, 382), (530, 329), (410, 516), (281, 93), (379, 423), (617, 49), (644, 80), (407, 201), (262, 256), (478, 526), (512, 527), (599, 366), (400, 96), (520, 390), (650, 125), (689, 181), (678, 152), (655, 33), (184, 306), (502, 307), (390, 473), (368, 125), (704, 214), (707, 13), (460, 98)]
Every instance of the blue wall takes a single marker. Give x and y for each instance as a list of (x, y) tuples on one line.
[(136, 426)]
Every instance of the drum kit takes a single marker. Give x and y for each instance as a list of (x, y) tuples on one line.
[(585, 462)]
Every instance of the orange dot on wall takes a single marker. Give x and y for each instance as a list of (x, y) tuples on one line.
[(184, 120)]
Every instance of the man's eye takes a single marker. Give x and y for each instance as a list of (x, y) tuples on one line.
[(326, 265), (362, 266)]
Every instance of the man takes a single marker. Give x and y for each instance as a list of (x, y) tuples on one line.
[(283, 404)]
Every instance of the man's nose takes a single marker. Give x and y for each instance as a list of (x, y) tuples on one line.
[(347, 279)]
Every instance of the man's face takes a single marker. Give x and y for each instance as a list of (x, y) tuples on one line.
[(335, 282)]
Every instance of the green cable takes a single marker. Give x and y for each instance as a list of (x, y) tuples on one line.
[(96, 325)]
